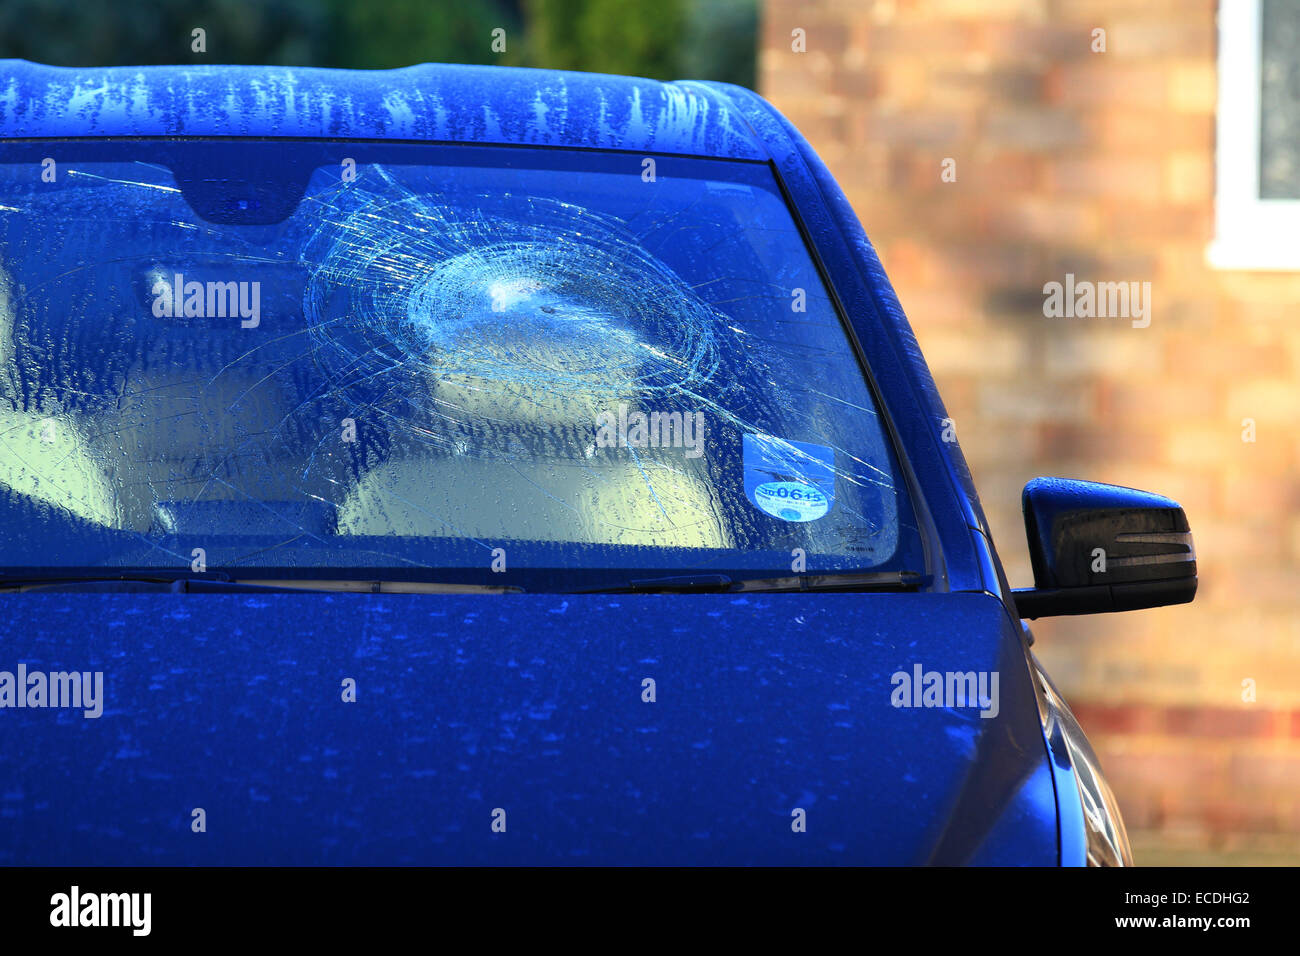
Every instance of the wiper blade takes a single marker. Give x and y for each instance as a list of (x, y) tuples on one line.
[(722, 583), (168, 580), (220, 581), (677, 583), (842, 581), (379, 587)]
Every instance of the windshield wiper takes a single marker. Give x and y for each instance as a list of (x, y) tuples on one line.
[(181, 582), (164, 580), (213, 581), (722, 583), (379, 587)]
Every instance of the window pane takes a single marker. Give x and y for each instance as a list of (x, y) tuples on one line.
[(1279, 148), (445, 352)]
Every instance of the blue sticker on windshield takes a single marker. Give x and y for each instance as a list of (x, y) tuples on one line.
[(790, 480)]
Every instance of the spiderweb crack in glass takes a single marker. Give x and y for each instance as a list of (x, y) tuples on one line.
[(543, 300), (562, 302)]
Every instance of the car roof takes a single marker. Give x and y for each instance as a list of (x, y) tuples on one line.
[(450, 103)]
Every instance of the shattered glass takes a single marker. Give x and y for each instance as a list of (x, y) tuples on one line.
[(347, 356)]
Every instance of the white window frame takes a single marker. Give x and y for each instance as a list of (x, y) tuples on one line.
[(1250, 233)]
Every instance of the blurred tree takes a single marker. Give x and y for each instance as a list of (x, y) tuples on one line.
[(73, 33), (721, 42), (552, 33), (640, 37), (665, 39), (374, 35)]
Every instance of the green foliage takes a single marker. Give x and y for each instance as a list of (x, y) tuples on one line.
[(722, 42), (374, 35), (74, 33), (640, 37), (664, 39)]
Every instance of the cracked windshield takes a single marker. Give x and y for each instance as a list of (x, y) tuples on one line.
[(327, 359)]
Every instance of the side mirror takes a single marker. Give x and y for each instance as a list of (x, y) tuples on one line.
[(1098, 548)]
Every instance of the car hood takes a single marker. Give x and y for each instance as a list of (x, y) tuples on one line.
[(474, 712)]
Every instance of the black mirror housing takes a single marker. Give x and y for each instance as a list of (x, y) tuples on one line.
[(1098, 548)]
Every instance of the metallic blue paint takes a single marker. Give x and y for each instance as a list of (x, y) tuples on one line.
[(531, 703), (431, 103)]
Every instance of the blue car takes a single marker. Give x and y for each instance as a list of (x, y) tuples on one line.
[(473, 465)]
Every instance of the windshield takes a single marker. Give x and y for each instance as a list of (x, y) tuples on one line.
[(379, 360)]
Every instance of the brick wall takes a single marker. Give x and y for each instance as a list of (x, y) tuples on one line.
[(1100, 165)]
